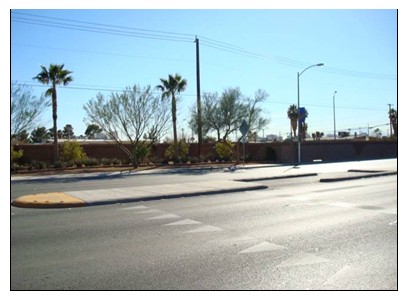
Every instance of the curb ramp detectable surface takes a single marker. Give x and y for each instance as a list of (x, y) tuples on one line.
[(48, 200)]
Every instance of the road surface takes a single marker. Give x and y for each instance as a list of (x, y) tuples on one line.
[(295, 235)]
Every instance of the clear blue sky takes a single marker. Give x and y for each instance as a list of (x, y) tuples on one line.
[(249, 49)]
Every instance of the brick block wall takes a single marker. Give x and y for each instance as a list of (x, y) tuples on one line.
[(286, 152)]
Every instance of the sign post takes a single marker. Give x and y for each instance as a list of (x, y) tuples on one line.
[(244, 130)]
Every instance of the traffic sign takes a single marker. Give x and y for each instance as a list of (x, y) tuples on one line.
[(244, 128), (302, 113)]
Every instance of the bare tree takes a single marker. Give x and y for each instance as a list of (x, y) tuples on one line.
[(26, 109), (253, 112), (135, 114), (211, 116), (224, 114)]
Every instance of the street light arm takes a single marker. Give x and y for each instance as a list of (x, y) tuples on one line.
[(315, 65)]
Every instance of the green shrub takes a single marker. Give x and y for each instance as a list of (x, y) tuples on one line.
[(72, 152), (58, 165), (88, 162), (140, 153), (105, 162), (224, 150), (116, 161), (39, 165), (183, 149), (16, 154), (16, 167)]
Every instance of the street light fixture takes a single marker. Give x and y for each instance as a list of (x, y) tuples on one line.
[(334, 113), (298, 109)]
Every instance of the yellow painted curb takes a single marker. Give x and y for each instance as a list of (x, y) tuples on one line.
[(48, 200)]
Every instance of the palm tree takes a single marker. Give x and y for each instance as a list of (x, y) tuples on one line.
[(393, 117), (169, 88), (292, 115), (54, 75)]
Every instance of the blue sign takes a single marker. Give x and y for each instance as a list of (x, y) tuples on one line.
[(302, 114)]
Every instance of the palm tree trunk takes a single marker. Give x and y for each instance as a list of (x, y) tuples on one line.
[(293, 124), (175, 135), (55, 129)]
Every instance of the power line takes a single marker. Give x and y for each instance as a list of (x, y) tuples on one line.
[(99, 52), (88, 88), (323, 105), (99, 28), (229, 48), (101, 24), (179, 37), (117, 89), (292, 62)]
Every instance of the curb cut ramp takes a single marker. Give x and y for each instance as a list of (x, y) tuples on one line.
[(48, 200)]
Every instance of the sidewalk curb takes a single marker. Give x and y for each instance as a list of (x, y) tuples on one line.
[(277, 177), (358, 176), (174, 196), (98, 175)]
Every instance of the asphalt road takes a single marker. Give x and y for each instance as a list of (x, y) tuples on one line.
[(297, 234)]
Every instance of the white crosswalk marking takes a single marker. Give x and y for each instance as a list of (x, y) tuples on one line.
[(302, 258), (166, 216), (183, 222), (264, 246), (346, 277), (134, 207), (148, 211), (207, 228)]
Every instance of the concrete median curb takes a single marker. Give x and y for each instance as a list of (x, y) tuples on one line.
[(277, 177), (133, 194), (361, 176)]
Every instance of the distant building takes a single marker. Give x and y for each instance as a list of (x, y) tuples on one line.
[(103, 136), (343, 134)]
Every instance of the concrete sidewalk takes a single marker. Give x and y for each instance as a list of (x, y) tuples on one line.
[(235, 179)]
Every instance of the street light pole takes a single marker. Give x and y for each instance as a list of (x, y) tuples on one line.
[(298, 120), (298, 109), (334, 113)]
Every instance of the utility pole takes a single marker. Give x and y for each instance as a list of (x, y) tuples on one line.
[(334, 113), (199, 105), (390, 121)]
